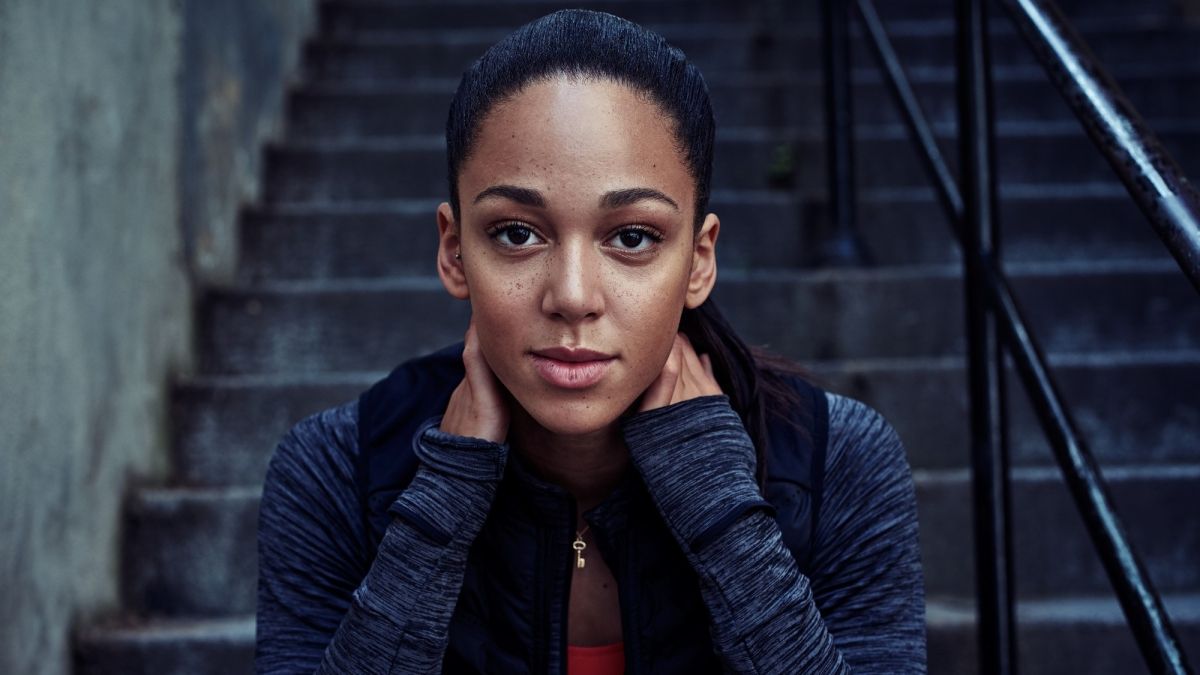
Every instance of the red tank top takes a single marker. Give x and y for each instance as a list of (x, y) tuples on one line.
[(601, 660)]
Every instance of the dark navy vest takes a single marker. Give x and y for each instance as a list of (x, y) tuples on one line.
[(511, 612)]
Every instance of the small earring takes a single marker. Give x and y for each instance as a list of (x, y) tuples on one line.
[(457, 256)]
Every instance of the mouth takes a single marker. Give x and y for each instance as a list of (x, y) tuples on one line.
[(571, 368)]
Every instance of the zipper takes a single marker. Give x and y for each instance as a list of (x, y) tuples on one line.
[(565, 568)]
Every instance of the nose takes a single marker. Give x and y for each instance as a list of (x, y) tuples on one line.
[(573, 291)]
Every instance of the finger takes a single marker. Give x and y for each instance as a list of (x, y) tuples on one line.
[(682, 381), (680, 391), (477, 407), (690, 358), (662, 389), (479, 375), (698, 379)]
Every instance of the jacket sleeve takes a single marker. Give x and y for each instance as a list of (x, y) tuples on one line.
[(767, 616), (866, 569), (321, 607)]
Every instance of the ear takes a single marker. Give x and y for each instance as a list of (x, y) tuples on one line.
[(450, 268), (704, 262)]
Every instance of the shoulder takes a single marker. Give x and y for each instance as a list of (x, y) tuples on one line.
[(315, 460), (868, 481), (312, 548), (324, 438), (338, 423), (870, 512), (860, 436)]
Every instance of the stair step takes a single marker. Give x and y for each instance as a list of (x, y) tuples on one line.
[(1052, 552), (354, 17), (1127, 406), (190, 552), (1059, 636), (365, 110), (726, 50), (341, 18), (196, 549), (1056, 636), (299, 327), (225, 428), (399, 168), (758, 230), (221, 646)]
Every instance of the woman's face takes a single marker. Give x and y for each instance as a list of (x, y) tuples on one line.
[(576, 233)]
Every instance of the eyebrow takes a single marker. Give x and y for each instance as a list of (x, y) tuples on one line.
[(610, 200), (520, 195), (618, 198)]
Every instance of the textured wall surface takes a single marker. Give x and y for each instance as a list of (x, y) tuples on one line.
[(237, 58), (95, 298), (94, 302)]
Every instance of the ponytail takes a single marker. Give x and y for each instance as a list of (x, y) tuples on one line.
[(752, 378), (733, 365)]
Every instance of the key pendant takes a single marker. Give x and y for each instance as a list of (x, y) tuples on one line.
[(579, 546)]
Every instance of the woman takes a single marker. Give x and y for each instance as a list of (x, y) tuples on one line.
[(602, 477)]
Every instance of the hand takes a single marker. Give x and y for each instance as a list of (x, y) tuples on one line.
[(684, 376), (477, 407)]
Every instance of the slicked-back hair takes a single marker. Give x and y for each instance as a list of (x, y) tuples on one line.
[(584, 44)]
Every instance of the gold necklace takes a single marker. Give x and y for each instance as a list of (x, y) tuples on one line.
[(579, 545)]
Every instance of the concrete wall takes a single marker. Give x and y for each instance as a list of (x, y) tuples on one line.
[(238, 58), (95, 297)]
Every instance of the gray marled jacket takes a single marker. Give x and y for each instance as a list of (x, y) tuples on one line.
[(859, 610)]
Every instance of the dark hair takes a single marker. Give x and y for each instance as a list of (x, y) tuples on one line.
[(582, 43)]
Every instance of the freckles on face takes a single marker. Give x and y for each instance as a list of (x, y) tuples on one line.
[(576, 229)]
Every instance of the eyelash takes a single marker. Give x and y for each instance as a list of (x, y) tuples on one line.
[(496, 231), (649, 232)]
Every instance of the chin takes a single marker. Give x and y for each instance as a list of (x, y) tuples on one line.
[(579, 417)]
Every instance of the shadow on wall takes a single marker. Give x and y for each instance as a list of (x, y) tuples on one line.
[(237, 60)]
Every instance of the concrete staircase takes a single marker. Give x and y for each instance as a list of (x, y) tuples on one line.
[(337, 285)]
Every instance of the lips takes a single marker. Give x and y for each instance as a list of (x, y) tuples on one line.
[(569, 368)]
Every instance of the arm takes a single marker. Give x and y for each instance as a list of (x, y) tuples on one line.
[(698, 463), (316, 611), (397, 619), (867, 563)]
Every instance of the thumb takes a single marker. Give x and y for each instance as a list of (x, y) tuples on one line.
[(663, 388)]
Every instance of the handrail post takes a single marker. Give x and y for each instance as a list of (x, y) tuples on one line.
[(841, 246), (989, 442), (1172, 205)]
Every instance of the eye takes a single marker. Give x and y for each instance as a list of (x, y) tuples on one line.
[(514, 235), (636, 239)]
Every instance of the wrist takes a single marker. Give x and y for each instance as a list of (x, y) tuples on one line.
[(704, 429), (697, 462), (465, 457)]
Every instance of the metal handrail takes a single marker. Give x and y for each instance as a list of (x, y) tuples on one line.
[(1167, 199)]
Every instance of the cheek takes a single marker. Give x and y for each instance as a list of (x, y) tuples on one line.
[(649, 316), (500, 307)]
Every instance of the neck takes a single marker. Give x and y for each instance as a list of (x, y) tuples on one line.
[(589, 466)]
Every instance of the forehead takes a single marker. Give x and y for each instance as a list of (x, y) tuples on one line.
[(579, 136)]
